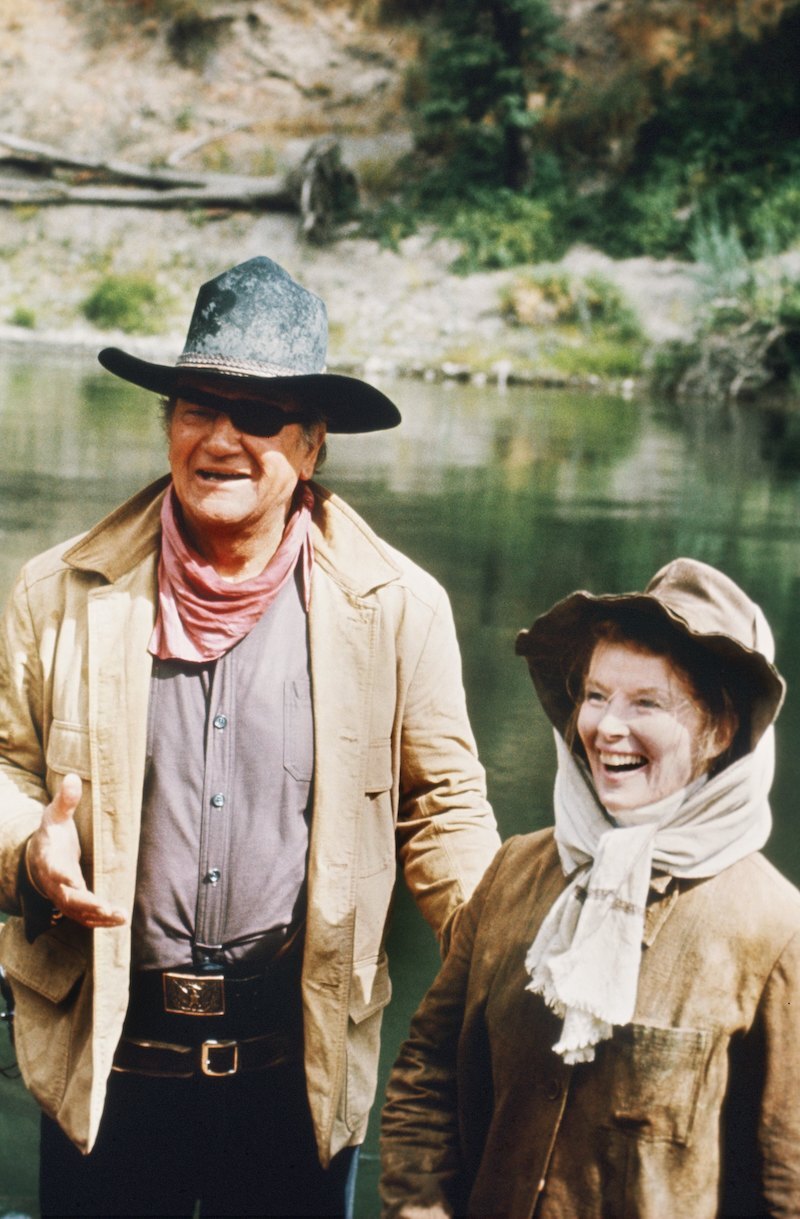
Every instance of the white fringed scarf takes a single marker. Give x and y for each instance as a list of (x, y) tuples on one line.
[(586, 956)]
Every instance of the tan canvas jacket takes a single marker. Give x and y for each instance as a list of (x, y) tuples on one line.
[(395, 773), (690, 1112)]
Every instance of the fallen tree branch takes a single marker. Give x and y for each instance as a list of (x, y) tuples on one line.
[(203, 141), (45, 156), (272, 194), (322, 189)]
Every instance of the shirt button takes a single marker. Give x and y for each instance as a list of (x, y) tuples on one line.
[(218, 800), (212, 877), (552, 1089), (220, 721)]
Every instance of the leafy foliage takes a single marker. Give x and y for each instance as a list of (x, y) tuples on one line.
[(477, 172), (749, 336), (124, 302), (483, 61), (722, 142), (502, 230), (591, 328)]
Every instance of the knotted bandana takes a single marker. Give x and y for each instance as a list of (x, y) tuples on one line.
[(200, 615)]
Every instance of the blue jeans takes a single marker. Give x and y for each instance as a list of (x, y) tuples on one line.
[(241, 1145)]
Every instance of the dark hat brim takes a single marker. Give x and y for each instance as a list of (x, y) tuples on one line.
[(557, 642), (346, 403)]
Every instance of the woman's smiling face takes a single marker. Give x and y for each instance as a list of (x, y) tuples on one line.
[(640, 723)]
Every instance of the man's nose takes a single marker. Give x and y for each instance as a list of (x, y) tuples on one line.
[(223, 433)]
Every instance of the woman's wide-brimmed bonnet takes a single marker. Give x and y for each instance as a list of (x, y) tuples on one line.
[(686, 597), (256, 327)]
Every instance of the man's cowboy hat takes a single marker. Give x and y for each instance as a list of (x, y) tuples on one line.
[(255, 325), (687, 597)]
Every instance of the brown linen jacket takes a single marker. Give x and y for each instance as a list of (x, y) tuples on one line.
[(692, 1111), (396, 776)]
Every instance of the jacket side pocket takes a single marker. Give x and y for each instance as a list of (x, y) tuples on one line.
[(370, 992), (45, 979)]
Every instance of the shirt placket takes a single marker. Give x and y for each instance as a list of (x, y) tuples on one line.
[(217, 812)]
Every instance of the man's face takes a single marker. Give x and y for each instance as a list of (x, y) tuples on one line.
[(228, 482)]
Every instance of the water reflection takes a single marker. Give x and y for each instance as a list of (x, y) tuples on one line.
[(512, 500)]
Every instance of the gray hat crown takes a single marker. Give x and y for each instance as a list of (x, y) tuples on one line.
[(256, 320)]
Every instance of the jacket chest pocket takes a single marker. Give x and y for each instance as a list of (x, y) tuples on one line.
[(653, 1078), (298, 730), (68, 749)]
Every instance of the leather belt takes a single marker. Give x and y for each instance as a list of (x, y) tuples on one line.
[(212, 1058), (205, 994)]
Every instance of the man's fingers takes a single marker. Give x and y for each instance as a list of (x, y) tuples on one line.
[(53, 859), (67, 798), (83, 907)]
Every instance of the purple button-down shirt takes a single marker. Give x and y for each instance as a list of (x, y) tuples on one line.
[(227, 798)]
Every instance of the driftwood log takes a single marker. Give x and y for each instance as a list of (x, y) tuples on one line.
[(321, 189), (741, 363)]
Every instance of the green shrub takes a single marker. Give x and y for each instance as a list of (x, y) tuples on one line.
[(480, 64), (774, 223), (737, 289), (601, 304), (599, 357), (789, 310), (720, 142), (22, 316), (124, 302), (722, 266), (503, 230), (593, 303), (389, 223), (670, 362)]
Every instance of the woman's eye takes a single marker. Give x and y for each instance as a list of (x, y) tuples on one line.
[(594, 696), (648, 704)]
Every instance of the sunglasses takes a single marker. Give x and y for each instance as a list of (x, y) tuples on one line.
[(246, 414)]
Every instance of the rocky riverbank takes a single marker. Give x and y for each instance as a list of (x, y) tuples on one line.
[(396, 312)]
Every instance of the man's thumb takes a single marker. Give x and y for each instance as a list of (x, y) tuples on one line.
[(67, 797)]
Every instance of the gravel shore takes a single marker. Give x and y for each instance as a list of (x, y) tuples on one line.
[(391, 312)]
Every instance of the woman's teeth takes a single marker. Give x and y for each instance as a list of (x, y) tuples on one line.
[(622, 761)]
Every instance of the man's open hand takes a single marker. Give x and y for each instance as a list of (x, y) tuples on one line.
[(54, 862)]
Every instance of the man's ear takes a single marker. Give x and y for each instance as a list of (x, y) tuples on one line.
[(310, 464)]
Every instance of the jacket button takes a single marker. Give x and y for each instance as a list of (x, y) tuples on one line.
[(552, 1089)]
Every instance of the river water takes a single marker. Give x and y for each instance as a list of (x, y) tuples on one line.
[(512, 499)]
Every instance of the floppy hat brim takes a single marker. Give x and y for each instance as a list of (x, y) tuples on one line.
[(346, 403), (557, 641)]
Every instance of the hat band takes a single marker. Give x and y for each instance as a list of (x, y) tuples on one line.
[(236, 368)]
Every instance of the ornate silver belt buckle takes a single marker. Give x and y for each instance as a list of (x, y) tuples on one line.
[(194, 995), (219, 1058)]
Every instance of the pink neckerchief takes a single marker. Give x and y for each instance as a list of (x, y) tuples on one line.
[(200, 615)]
